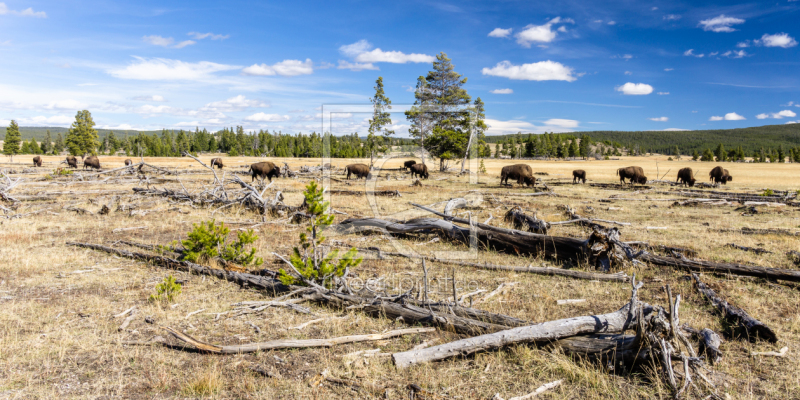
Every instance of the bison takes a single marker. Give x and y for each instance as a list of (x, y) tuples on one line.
[(217, 162), (37, 161), (420, 170), (264, 169), (686, 177), (128, 162), (720, 175), (521, 172), (634, 174), (408, 164), (72, 162), (578, 175), (91, 162), (359, 170)]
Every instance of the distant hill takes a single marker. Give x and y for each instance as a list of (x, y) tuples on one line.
[(38, 132), (664, 142)]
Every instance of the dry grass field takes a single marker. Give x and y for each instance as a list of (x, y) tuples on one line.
[(59, 337)]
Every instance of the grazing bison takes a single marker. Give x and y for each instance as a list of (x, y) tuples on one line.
[(217, 162), (720, 175), (521, 172), (72, 162), (264, 169), (420, 170), (408, 164), (359, 170), (128, 162), (634, 174), (37, 161), (91, 162), (578, 175), (686, 177)]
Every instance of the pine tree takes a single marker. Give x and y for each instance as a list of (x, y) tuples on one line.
[(585, 147), (47, 143), (781, 155), (380, 120), (12, 141), (708, 155), (695, 155), (721, 154), (82, 137), (58, 146), (33, 147)]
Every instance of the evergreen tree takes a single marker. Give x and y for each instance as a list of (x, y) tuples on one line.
[(677, 153), (33, 147), (381, 118), (82, 137), (574, 151), (47, 143), (25, 148), (12, 141), (585, 147), (708, 155), (721, 154), (695, 155), (781, 155), (59, 145)]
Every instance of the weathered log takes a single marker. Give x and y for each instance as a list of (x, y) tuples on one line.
[(389, 193), (794, 256), (753, 328), (723, 268), (615, 322), (709, 342), (529, 223), (757, 250)]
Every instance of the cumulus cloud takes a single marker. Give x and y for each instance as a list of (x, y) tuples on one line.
[(498, 127), (662, 93), (262, 117), (28, 12), (154, 97), (362, 52), (283, 68), (793, 122), (68, 104), (744, 44), (156, 40), (562, 123), (57, 120), (691, 52), (721, 23), (539, 71), (659, 119), (777, 40), (612, 22), (728, 117), (778, 115), (356, 66), (631, 88), (502, 91), (153, 69), (237, 103), (538, 33), (209, 35), (762, 116), (500, 32), (735, 54)]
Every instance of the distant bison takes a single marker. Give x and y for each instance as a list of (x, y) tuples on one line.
[(217, 162), (359, 170), (578, 175), (37, 161), (634, 174), (686, 177), (72, 162), (264, 169), (521, 172), (720, 175), (420, 170), (91, 162), (128, 162), (408, 164)]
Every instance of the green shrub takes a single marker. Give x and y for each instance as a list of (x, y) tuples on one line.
[(767, 192), (209, 240), (309, 260), (62, 172), (482, 168), (166, 290)]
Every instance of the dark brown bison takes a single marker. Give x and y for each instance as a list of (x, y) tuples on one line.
[(91, 162), (420, 170), (128, 162), (686, 177), (37, 161), (521, 172), (720, 175), (72, 162), (264, 169), (408, 164), (578, 175), (634, 174), (217, 162), (359, 170)]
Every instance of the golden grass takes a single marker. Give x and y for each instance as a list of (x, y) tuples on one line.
[(58, 338)]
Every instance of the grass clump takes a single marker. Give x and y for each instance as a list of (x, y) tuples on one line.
[(208, 240), (767, 192), (166, 290)]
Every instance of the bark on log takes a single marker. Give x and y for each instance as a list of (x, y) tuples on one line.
[(723, 268), (529, 223), (389, 193), (752, 327), (709, 342), (757, 250)]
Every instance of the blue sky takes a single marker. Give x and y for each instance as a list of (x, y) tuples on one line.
[(539, 66)]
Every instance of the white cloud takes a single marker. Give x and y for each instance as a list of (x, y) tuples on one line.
[(778, 115), (539, 71), (120, 127), (691, 52), (154, 97), (41, 120), (792, 122), (762, 116), (777, 40), (396, 57), (716, 118), (500, 32), (28, 12), (356, 66), (162, 109), (502, 91), (538, 33), (562, 123), (562, 29), (669, 69), (262, 117), (628, 73), (209, 35), (662, 93), (659, 119), (631, 88), (744, 44), (675, 130), (184, 44), (153, 69), (68, 104), (356, 48), (728, 117), (735, 54), (721, 23), (612, 22), (672, 17), (713, 53), (237, 103), (283, 68), (156, 40)]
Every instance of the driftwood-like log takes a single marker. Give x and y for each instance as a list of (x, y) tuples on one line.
[(757, 250), (528, 223), (723, 268), (709, 342), (389, 193), (752, 327)]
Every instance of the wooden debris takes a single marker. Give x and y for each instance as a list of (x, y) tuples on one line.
[(524, 222), (570, 301), (781, 353), (540, 390), (757, 250), (128, 320)]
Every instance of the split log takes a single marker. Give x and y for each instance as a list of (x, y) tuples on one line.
[(757, 250), (709, 342), (529, 223), (753, 328)]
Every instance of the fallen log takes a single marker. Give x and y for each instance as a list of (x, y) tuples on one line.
[(389, 193), (709, 342), (757, 250), (529, 223), (722, 268), (753, 328)]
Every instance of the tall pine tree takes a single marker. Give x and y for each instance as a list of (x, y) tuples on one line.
[(381, 118), (12, 140), (82, 137)]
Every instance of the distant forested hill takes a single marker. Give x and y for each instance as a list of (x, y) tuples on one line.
[(38, 133), (664, 142)]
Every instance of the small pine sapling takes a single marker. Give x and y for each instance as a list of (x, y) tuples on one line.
[(209, 240), (166, 290)]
